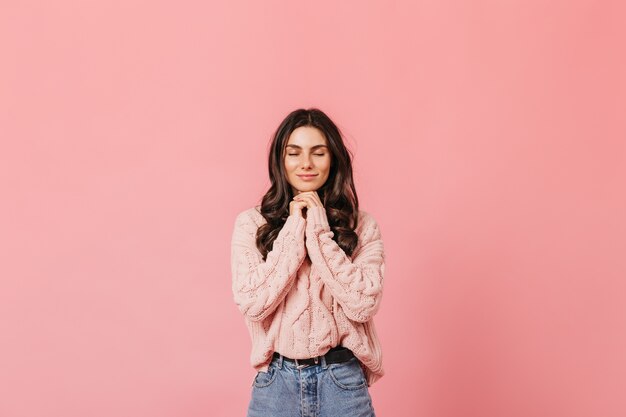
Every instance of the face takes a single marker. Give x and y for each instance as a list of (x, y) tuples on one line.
[(307, 153)]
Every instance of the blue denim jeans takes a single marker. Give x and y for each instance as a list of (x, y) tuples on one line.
[(322, 390)]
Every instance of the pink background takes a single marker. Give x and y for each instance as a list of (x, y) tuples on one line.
[(490, 143)]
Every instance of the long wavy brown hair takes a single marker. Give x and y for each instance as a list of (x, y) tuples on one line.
[(338, 194)]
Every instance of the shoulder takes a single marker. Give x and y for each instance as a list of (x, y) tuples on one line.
[(249, 219), (367, 227), (365, 219)]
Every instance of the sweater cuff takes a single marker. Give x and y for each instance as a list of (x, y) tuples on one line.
[(316, 218), (295, 222)]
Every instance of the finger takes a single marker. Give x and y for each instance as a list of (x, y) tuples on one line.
[(315, 195), (314, 199), (307, 198), (310, 197)]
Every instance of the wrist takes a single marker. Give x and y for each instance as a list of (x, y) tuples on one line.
[(317, 218)]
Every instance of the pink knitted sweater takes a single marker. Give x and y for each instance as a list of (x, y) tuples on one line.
[(309, 296)]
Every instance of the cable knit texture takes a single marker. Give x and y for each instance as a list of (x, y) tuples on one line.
[(309, 296)]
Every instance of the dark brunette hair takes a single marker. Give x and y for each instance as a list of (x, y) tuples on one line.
[(338, 194)]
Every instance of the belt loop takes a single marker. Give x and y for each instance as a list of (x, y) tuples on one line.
[(323, 360), (299, 365), (279, 361)]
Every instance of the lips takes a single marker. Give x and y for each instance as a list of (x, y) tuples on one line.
[(307, 175)]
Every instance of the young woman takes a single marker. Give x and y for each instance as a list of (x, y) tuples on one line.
[(307, 274)]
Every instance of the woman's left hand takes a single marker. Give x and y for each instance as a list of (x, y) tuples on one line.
[(311, 198)]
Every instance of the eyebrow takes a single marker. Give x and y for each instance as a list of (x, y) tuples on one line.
[(312, 147)]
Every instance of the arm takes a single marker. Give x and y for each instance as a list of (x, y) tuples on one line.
[(356, 284), (259, 287)]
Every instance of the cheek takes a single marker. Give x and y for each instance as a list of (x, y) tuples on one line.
[(290, 165), (327, 166)]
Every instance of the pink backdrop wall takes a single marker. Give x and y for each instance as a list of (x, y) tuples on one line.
[(490, 145)]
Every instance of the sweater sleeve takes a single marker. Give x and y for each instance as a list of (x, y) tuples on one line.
[(356, 284), (259, 287)]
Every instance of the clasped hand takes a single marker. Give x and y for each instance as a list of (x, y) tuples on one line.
[(304, 200)]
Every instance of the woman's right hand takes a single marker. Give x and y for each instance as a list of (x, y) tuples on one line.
[(295, 207)]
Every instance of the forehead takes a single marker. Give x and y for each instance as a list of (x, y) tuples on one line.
[(306, 137)]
